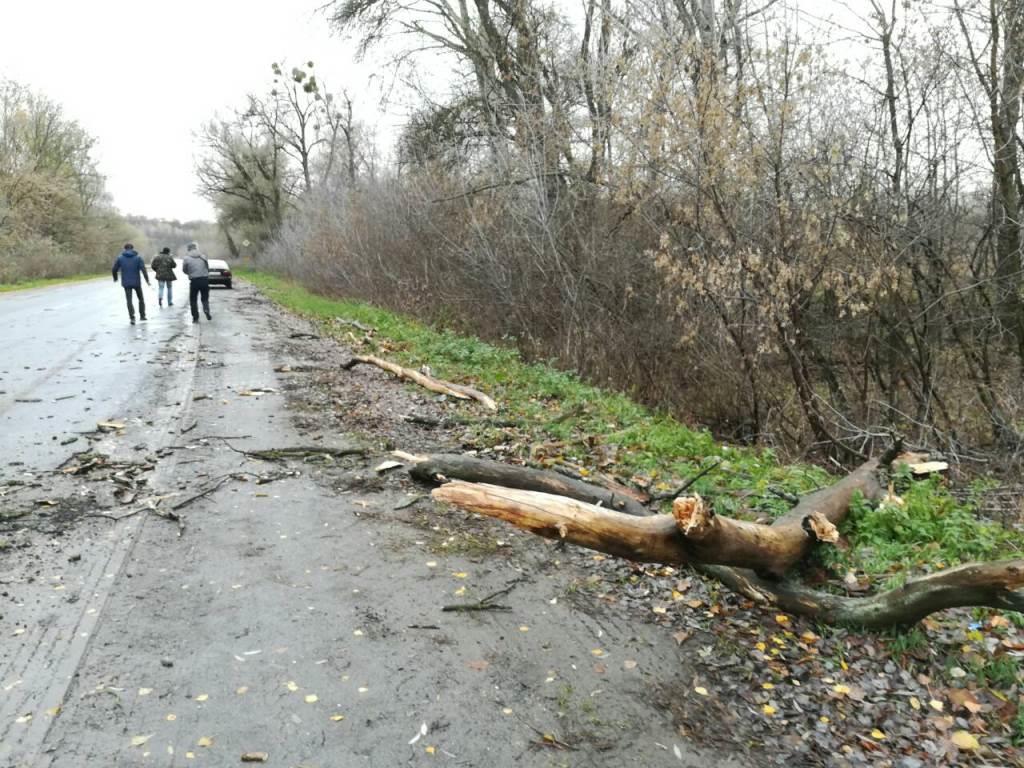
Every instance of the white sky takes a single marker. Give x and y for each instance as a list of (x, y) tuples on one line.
[(143, 75)]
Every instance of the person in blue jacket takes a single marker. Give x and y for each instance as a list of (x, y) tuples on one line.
[(131, 267)]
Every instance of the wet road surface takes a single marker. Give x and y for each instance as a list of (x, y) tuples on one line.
[(286, 618)]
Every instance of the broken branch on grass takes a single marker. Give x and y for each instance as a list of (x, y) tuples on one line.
[(458, 391), (445, 466), (686, 486)]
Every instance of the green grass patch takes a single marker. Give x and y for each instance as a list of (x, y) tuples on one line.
[(561, 417), (924, 529), (44, 282)]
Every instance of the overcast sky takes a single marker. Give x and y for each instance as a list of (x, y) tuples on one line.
[(143, 75)]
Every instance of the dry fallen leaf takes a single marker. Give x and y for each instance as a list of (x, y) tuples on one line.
[(877, 735), (292, 686), (337, 718), (701, 690), (242, 689), (479, 665), (202, 697), (964, 741), (204, 741), (629, 664), (145, 691), (138, 741), (53, 711), (312, 699), (768, 709), (255, 757)]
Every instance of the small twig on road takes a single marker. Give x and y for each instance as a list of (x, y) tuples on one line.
[(303, 335), (486, 603), (190, 427)]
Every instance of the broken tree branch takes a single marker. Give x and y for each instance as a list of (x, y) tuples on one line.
[(458, 391), (445, 466), (994, 585)]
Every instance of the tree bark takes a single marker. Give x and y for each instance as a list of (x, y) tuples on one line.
[(994, 585), (431, 469)]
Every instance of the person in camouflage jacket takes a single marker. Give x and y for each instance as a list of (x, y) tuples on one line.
[(163, 265)]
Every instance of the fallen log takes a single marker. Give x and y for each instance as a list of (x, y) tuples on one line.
[(993, 585), (660, 539), (693, 534), (458, 391), (444, 466)]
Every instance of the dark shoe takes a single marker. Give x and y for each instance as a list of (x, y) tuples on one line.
[(209, 316), (170, 303), (131, 320), (160, 302), (142, 318), (195, 319)]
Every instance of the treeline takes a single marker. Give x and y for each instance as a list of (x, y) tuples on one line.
[(55, 216), (700, 202), (155, 234)]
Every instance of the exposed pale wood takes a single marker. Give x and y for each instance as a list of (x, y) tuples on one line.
[(442, 466), (653, 539), (458, 391)]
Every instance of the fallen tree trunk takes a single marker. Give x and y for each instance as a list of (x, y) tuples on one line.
[(774, 549), (444, 466), (693, 534), (660, 539), (458, 391)]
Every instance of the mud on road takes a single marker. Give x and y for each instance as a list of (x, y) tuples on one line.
[(296, 607)]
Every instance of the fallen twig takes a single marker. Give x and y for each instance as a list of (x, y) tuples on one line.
[(459, 391), (486, 603)]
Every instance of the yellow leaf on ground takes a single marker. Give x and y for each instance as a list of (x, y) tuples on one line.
[(204, 741), (701, 690), (964, 741), (53, 711), (597, 652), (915, 703), (782, 618), (767, 686), (138, 741), (937, 705), (241, 690), (145, 691), (337, 718), (841, 689), (172, 717), (312, 699), (202, 697), (768, 709), (459, 592), (292, 686), (430, 750), (877, 735), (460, 575)]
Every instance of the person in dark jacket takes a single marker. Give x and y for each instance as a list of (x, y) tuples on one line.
[(163, 267), (131, 267), (197, 268)]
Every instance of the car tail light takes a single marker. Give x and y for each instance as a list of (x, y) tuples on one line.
[(226, 273)]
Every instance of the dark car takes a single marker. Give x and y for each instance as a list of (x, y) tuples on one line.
[(220, 273)]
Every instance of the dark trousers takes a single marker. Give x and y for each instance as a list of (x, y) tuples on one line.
[(128, 299), (199, 286)]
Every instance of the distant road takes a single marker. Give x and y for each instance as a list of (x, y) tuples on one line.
[(67, 360)]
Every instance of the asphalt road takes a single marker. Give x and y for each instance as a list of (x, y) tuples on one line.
[(69, 358), (294, 618)]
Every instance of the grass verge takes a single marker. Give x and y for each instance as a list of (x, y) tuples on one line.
[(45, 282), (557, 418)]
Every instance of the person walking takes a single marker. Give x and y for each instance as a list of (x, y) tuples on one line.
[(131, 267), (197, 268), (163, 267)]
